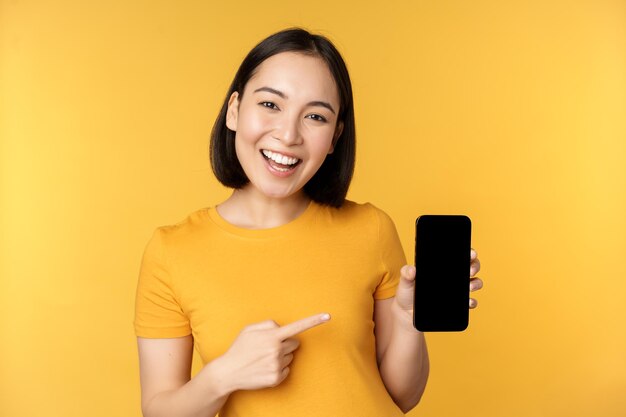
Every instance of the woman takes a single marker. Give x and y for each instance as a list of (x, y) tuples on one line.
[(246, 281)]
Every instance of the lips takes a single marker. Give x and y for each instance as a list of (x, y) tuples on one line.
[(280, 171), (280, 161), (280, 158)]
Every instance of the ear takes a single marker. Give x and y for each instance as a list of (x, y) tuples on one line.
[(233, 111), (338, 131)]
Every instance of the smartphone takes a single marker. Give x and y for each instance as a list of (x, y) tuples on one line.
[(442, 264)]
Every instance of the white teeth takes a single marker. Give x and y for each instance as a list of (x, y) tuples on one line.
[(281, 159)]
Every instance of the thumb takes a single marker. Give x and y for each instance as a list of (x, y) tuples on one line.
[(408, 274), (406, 287)]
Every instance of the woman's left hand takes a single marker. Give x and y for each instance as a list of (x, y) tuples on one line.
[(403, 302)]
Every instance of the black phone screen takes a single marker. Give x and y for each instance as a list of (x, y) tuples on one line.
[(442, 263)]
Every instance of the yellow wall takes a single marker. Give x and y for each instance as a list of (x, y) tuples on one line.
[(510, 112)]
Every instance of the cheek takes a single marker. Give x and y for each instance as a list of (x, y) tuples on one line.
[(321, 140), (253, 125)]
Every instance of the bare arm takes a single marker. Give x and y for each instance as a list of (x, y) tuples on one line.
[(405, 366), (167, 388), (402, 356), (258, 358)]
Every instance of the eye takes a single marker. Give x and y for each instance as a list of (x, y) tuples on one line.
[(269, 105), (318, 118)]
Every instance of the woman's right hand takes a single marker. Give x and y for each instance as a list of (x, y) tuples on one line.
[(260, 355)]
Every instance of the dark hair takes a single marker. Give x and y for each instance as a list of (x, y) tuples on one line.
[(330, 183)]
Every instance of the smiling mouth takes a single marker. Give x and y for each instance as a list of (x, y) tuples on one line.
[(280, 162)]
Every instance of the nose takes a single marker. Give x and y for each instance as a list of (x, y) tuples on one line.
[(288, 130)]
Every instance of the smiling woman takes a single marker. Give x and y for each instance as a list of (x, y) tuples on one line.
[(286, 120), (286, 245), (329, 99)]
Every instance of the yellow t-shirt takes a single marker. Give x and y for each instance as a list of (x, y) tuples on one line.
[(209, 278)]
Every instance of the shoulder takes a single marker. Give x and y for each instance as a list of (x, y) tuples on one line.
[(366, 209), (364, 215), (186, 229)]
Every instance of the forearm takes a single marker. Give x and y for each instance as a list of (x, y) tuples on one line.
[(405, 366), (203, 396)]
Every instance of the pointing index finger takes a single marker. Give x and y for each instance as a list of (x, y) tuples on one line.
[(301, 325)]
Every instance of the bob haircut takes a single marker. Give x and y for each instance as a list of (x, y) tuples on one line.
[(330, 183)]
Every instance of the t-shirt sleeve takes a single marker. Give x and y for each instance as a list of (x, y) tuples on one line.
[(392, 256), (158, 313)]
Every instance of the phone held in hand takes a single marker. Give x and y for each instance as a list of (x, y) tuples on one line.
[(442, 264)]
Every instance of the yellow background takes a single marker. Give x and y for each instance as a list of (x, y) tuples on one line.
[(510, 112)]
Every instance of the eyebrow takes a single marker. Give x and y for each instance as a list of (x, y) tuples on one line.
[(283, 95)]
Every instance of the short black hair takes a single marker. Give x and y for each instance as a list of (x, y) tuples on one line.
[(330, 183)]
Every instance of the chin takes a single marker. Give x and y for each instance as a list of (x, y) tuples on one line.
[(275, 191), (278, 194)]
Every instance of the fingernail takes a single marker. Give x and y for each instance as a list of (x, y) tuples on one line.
[(325, 317), (411, 270)]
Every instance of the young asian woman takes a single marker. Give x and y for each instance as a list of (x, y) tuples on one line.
[(246, 281)]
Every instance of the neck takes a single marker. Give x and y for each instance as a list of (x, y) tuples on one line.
[(249, 208)]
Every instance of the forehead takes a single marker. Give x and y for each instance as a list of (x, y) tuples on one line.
[(297, 75)]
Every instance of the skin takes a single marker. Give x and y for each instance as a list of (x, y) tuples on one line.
[(264, 120)]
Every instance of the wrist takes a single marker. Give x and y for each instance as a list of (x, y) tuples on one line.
[(403, 319), (220, 377)]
